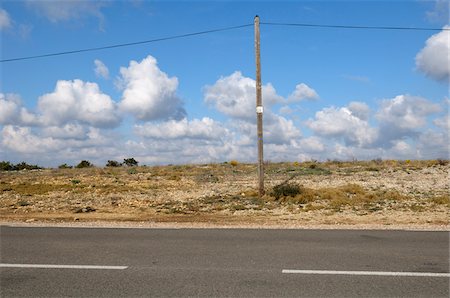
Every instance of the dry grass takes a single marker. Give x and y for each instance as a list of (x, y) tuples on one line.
[(331, 192)]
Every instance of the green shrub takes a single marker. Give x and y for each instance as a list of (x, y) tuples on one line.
[(113, 163), (6, 166), (84, 164), (130, 162), (64, 166), (286, 190)]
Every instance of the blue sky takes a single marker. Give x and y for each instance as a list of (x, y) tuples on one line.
[(328, 93)]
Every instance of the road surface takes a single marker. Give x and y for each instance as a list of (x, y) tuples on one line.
[(106, 262)]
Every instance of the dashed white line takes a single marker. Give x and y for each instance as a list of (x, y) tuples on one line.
[(376, 273), (52, 266)]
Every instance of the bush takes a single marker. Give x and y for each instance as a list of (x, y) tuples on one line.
[(286, 190), (84, 164), (234, 163), (113, 163), (130, 162), (6, 166), (64, 166), (24, 166)]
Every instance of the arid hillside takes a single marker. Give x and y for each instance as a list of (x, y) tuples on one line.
[(375, 194)]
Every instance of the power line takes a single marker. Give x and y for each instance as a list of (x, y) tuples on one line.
[(125, 44), (354, 27), (219, 30)]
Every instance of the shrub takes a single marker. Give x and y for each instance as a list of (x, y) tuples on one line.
[(84, 164), (286, 190), (234, 163), (6, 166), (113, 163), (24, 166), (130, 162), (64, 166)]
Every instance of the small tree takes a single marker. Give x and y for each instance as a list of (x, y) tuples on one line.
[(130, 162), (24, 166), (64, 166), (6, 166), (113, 163), (84, 164)]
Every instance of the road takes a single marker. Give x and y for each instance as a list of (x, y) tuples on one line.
[(222, 263)]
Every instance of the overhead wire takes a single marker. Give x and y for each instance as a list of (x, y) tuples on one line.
[(354, 27), (125, 44), (219, 30)]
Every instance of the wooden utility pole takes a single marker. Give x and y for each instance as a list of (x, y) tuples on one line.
[(259, 109)]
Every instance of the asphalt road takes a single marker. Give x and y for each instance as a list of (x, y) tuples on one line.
[(222, 262)]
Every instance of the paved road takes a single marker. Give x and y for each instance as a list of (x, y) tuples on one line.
[(220, 262)]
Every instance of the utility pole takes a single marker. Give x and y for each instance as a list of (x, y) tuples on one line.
[(259, 110)]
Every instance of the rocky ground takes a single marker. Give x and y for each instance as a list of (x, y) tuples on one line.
[(372, 194)]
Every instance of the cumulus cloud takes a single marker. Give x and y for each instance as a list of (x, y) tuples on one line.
[(343, 123), (311, 145), (434, 58), (59, 11), (13, 112), (9, 108), (432, 145), (78, 101), (280, 131), (149, 94), (67, 131), (100, 69), (5, 20), (22, 140), (206, 129), (405, 113), (359, 109), (235, 96), (302, 92)]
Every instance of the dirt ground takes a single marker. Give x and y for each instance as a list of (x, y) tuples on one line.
[(367, 195)]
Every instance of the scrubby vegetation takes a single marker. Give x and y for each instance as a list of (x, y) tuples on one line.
[(7, 166), (84, 164), (319, 192)]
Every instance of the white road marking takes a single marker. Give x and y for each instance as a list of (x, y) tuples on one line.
[(378, 273), (51, 266)]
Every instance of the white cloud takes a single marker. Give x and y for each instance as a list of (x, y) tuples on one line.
[(5, 20), (443, 122), (22, 140), (302, 92), (9, 108), (100, 69), (78, 101), (432, 145), (434, 58), (59, 11), (405, 113), (205, 128), (67, 131), (359, 109), (342, 123), (311, 145), (13, 112), (235, 96), (149, 93), (280, 131)]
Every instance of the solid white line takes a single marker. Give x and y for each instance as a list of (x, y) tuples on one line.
[(50, 266), (378, 273)]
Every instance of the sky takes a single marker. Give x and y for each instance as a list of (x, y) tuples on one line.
[(328, 93)]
